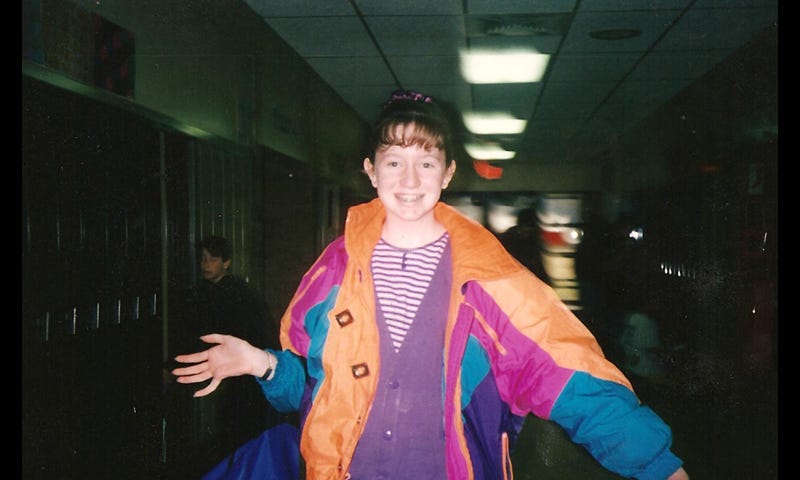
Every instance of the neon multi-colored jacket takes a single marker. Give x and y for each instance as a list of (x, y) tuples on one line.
[(511, 348)]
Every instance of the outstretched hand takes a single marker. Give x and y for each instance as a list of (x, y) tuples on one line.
[(679, 474), (229, 357)]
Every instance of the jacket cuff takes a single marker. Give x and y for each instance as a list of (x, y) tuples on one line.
[(662, 467)]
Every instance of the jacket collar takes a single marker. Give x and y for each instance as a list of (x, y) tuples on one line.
[(477, 253)]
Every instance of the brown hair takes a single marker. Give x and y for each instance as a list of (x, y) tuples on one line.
[(217, 247), (429, 125)]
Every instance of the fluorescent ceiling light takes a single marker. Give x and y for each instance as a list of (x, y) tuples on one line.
[(503, 66), (493, 123), (488, 152)]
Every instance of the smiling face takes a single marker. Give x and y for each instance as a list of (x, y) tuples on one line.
[(409, 177)]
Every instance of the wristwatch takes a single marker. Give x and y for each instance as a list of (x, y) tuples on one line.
[(270, 367)]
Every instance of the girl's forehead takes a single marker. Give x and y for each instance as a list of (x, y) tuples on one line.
[(410, 150)]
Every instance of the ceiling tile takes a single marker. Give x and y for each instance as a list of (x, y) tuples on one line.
[(352, 70), (729, 28), (622, 5), (325, 36), (572, 99), (545, 141), (596, 67), (734, 3), (519, 6), (412, 70), (651, 23), (574, 111), (434, 35), (515, 98), (663, 65), (642, 97), (417, 7), (300, 8)]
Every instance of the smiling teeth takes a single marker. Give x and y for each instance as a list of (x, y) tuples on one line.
[(409, 198)]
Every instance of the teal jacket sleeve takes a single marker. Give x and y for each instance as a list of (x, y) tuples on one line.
[(623, 435), (285, 390)]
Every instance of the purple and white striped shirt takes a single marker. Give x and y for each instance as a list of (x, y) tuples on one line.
[(402, 277)]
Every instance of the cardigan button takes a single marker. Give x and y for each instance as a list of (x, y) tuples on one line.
[(393, 384)]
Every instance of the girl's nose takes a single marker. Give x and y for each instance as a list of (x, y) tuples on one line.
[(410, 177)]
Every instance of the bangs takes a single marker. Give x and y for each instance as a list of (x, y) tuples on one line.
[(411, 123), (412, 133)]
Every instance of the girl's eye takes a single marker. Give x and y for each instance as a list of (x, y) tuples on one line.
[(392, 164)]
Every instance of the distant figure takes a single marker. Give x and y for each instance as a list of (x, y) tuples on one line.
[(522, 242), (641, 346), (223, 302)]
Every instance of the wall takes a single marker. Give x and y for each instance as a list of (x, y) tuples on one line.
[(214, 71), (214, 68)]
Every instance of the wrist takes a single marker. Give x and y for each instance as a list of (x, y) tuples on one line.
[(268, 370)]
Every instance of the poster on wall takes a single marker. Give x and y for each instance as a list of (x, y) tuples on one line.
[(79, 44), (114, 57)]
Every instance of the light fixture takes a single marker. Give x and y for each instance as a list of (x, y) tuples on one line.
[(492, 123), (483, 66), (488, 151)]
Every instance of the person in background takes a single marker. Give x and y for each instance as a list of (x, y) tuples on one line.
[(522, 242), (225, 303), (415, 346)]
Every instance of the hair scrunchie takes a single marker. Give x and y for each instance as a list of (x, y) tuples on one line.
[(409, 95)]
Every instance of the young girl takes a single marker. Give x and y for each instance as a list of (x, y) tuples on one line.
[(415, 346)]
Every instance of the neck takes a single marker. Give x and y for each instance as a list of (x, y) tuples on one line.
[(413, 234), (216, 280)]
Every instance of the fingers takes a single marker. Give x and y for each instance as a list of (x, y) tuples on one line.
[(190, 370), (201, 356), (197, 378), (208, 389), (193, 357), (213, 338)]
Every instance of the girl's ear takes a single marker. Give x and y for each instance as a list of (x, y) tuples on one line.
[(369, 169), (448, 176)]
